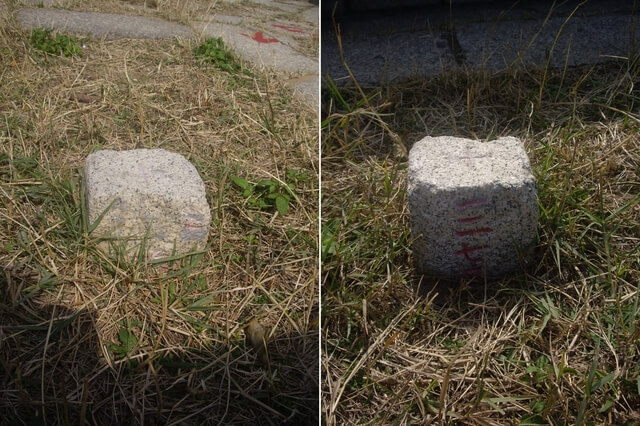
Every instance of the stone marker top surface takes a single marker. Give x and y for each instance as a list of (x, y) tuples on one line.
[(145, 171), (149, 198), (448, 162)]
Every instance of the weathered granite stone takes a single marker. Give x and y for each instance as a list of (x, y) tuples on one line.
[(150, 196), (473, 206)]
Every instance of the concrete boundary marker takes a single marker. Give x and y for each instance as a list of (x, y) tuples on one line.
[(473, 206), (148, 196)]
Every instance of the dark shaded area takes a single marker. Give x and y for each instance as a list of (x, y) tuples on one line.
[(71, 382), (405, 10), (399, 43)]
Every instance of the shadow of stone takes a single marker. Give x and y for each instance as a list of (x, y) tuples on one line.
[(290, 385), (446, 293), (53, 370), (476, 290), (47, 357)]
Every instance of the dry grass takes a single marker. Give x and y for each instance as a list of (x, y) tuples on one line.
[(85, 338), (182, 11), (555, 344)]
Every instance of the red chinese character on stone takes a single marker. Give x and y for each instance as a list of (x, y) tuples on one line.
[(466, 250), (473, 231), (475, 269)]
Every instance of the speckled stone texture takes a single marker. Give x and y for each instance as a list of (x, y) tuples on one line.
[(473, 206), (156, 194)]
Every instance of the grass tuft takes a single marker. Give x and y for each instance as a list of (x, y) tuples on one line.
[(213, 51), (58, 45)]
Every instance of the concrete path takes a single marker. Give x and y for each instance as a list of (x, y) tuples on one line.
[(395, 44), (277, 34)]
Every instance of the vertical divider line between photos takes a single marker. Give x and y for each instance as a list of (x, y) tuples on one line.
[(319, 226)]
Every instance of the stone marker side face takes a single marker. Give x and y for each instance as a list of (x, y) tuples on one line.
[(473, 206), (152, 194)]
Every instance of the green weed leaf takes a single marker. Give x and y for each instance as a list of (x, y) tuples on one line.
[(282, 205), (127, 338), (128, 342), (268, 194), (242, 183), (58, 45), (214, 52)]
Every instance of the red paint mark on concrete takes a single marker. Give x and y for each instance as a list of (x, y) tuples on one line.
[(470, 219), (259, 37), (466, 250), (471, 203), (473, 231), (288, 28)]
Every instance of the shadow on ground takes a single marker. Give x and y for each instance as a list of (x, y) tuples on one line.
[(70, 381)]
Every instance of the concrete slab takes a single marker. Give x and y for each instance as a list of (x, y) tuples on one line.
[(261, 48), (366, 5), (310, 15), (107, 25), (307, 86), (290, 33), (289, 7), (45, 3), (397, 44), (581, 41), (386, 58), (272, 38), (228, 19), (291, 28)]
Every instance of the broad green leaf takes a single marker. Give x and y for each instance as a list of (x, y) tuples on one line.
[(128, 339), (282, 204), (242, 183), (265, 182)]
